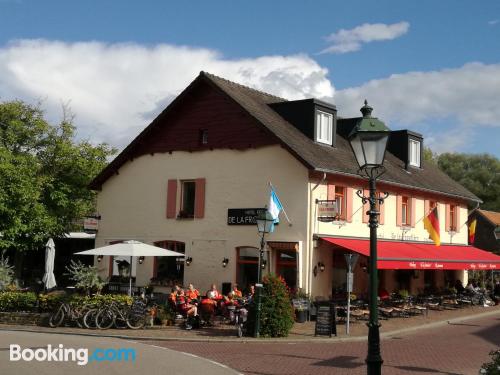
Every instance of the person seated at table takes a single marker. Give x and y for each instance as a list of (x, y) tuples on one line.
[(192, 294), (172, 298), (213, 293), (250, 294), (236, 292), (186, 308), (459, 286), (383, 293)]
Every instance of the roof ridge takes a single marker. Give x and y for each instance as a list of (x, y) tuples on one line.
[(211, 76)]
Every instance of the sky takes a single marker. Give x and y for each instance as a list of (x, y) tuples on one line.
[(429, 66)]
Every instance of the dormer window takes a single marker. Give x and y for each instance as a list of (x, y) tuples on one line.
[(324, 127), (414, 159)]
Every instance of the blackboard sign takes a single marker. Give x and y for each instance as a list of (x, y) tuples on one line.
[(243, 216), (325, 321)]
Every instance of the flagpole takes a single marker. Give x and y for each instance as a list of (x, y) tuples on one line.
[(282, 208)]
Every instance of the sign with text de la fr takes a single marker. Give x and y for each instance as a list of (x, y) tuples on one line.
[(243, 216)]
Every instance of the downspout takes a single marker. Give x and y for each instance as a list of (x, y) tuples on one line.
[(311, 239)]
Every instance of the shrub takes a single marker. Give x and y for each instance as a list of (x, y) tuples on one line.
[(277, 315), (493, 367), (49, 301), (17, 301)]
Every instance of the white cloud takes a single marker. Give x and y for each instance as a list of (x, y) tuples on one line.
[(467, 96), (493, 22), (351, 40), (116, 89)]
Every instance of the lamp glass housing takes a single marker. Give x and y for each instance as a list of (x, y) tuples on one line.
[(369, 148), (265, 222)]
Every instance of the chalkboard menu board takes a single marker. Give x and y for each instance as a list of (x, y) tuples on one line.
[(325, 321)]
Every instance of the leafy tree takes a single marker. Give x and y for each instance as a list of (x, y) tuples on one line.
[(479, 173), (44, 173)]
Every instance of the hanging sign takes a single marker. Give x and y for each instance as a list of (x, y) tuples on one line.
[(327, 211), (91, 224)]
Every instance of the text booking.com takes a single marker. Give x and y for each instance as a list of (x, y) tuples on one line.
[(61, 354)]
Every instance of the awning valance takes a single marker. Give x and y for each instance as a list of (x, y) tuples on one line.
[(410, 255)]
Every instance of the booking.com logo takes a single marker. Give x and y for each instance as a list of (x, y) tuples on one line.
[(61, 354)]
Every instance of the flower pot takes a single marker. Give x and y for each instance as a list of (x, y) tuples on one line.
[(300, 316)]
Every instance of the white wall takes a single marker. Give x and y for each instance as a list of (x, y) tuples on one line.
[(132, 205)]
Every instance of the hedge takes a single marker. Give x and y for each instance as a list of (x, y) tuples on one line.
[(17, 301), (27, 301)]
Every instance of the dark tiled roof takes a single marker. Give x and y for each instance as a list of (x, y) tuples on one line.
[(318, 157), (339, 159)]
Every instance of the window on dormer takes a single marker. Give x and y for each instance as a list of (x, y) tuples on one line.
[(324, 127), (414, 153)]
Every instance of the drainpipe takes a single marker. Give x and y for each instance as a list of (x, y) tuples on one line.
[(311, 240)]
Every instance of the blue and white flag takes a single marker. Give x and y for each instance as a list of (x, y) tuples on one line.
[(275, 207)]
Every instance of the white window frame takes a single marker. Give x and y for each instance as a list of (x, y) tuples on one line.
[(414, 160), (324, 132)]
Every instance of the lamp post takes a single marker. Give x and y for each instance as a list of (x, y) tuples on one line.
[(369, 142), (265, 224)]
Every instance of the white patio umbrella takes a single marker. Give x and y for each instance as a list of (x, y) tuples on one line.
[(131, 249), (49, 280)]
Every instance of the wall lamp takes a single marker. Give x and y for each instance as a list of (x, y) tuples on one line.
[(99, 258), (264, 264), (141, 260), (321, 266), (225, 261), (189, 260)]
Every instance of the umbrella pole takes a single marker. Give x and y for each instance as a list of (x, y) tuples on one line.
[(130, 278)]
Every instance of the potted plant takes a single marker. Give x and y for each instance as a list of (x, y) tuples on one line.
[(165, 315), (300, 314)]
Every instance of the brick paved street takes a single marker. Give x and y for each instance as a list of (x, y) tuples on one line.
[(457, 348)]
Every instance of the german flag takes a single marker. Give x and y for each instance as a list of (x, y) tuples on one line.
[(431, 224), (472, 231)]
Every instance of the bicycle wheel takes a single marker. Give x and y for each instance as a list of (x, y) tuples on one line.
[(104, 319), (135, 321), (89, 319), (57, 318)]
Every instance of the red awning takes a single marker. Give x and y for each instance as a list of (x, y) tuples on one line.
[(409, 255)]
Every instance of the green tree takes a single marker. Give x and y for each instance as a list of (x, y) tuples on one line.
[(44, 173), (479, 173)]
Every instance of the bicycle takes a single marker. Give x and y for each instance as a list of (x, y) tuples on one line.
[(67, 313), (113, 314)]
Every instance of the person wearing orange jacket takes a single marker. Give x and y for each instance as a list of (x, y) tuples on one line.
[(192, 294)]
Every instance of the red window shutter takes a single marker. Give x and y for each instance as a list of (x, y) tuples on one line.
[(348, 204), (330, 195), (382, 212), (399, 210), (199, 200), (447, 218), (457, 218), (366, 207), (171, 199), (413, 205)]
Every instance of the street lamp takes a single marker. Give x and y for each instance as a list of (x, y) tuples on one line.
[(265, 224), (369, 141)]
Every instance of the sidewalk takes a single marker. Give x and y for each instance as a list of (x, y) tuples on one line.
[(300, 332)]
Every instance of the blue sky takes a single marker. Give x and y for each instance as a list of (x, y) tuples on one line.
[(431, 66)]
